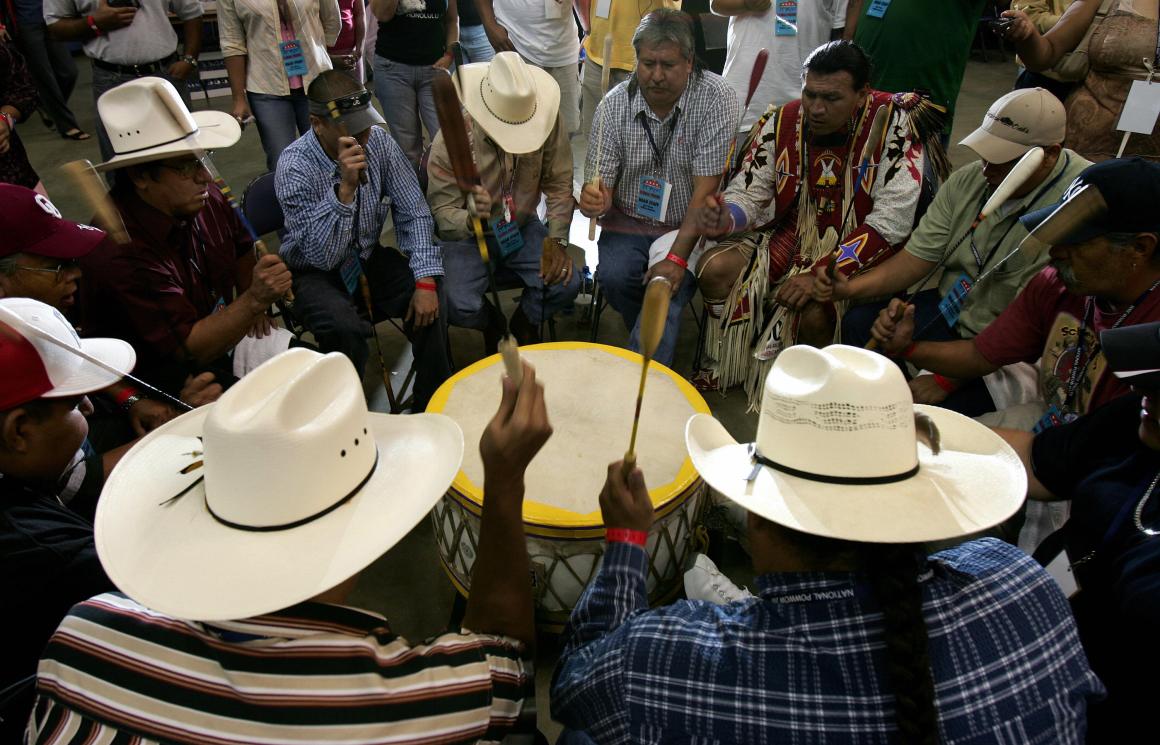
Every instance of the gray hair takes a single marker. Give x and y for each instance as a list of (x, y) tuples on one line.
[(666, 25), (9, 264)]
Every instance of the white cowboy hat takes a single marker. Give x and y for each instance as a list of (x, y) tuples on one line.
[(515, 103), (302, 489), (147, 120), (44, 357), (837, 430)]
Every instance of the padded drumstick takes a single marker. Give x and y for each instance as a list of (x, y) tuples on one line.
[(653, 314), (509, 351), (605, 77), (1015, 178), (92, 188)]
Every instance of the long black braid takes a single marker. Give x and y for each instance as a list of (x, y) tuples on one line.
[(893, 572)]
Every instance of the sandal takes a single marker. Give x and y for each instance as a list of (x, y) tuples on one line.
[(76, 134)]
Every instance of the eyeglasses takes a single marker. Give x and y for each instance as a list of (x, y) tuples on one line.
[(187, 168), (57, 271)]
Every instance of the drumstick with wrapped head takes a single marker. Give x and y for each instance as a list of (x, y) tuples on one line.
[(1027, 167), (454, 130), (873, 140), (605, 78), (260, 248), (653, 314), (92, 188)]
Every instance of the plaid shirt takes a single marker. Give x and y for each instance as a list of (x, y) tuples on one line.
[(693, 140), (805, 661), (319, 227)]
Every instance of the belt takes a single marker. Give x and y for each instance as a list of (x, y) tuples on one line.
[(138, 71)]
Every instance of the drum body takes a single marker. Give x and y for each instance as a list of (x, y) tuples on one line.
[(591, 393)]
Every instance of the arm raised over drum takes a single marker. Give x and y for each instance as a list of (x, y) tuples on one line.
[(501, 591)]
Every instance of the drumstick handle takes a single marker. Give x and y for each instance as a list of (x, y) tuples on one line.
[(510, 352), (896, 316), (628, 464), (595, 219), (630, 454)]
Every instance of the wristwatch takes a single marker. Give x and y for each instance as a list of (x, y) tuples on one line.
[(190, 59)]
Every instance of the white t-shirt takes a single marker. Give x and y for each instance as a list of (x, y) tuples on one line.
[(748, 33), (543, 41)]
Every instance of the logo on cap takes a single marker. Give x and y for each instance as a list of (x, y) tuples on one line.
[(1009, 122), (1075, 188), (47, 206)]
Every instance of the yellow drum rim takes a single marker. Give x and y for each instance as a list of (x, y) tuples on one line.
[(548, 516)]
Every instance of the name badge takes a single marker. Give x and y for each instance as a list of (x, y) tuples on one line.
[(652, 197), (350, 270), (878, 8), (952, 305), (786, 22), (292, 59), (1054, 417), (507, 235), (219, 306)]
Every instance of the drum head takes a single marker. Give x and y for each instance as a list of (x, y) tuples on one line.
[(590, 391)]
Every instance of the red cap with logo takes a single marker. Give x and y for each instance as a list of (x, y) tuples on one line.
[(31, 224)]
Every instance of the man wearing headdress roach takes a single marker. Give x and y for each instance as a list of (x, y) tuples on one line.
[(802, 194)]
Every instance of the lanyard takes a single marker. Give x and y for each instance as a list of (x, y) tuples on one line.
[(1078, 370), (510, 187), (658, 154), (979, 260), (284, 16), (199, 256)]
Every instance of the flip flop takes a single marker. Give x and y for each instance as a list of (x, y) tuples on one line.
[(75, 134)]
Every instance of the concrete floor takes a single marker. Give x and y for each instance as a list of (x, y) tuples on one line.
[(408, 584)]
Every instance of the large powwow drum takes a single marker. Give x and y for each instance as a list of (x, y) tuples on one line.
[(590, 390)]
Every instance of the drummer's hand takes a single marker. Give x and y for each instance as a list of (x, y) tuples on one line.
[(672, 272), (625, 503), (515, 434)]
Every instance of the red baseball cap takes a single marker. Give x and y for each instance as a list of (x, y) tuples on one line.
[(30, 223), (42, 356)]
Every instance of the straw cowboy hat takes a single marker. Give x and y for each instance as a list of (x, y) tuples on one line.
[(282, 489), (147, 120), (838, 455), (515, 103), (41, 355)]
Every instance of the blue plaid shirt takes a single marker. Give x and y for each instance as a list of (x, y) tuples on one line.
[(319, 227), (805, 661)]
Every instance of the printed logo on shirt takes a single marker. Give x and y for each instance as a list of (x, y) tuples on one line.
[(1059, 357), (418, 9)]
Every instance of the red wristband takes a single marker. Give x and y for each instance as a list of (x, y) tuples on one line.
[(124, 394), (682, 263), (425, 285), (626, 535), (945, 384), (93, 25), (906, 353)]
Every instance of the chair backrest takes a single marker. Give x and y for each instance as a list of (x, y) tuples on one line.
[(261, 206)]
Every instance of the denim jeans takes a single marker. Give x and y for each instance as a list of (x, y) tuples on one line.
[(280, 120), (323, 305), (54, 71), (466, 279), (406, 97), (104, 80), (973, 398), (475, 45), (623, 264)]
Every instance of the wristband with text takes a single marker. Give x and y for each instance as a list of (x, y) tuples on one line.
[(626, 535), (426, 285), (944, 383), (682, 263), (124, 394), (93, 25)]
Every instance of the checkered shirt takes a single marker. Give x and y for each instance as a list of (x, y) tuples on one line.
[(805, 661), (694, 145), (319, 227)]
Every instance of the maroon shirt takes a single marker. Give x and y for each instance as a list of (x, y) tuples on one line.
[(171, 274)]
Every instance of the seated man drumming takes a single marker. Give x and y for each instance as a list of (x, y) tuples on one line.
[(521, 151), (801, 203), (337, 184)]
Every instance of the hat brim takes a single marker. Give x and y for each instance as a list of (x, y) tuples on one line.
[(1083, 232), (994, 149), (1133, 352), (178, 559), (974, 483), (362, 120), (516, 139), (215, 130), (68, 241), (115, 353)]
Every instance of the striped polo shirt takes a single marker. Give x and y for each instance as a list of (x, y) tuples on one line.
[(116, 671)]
